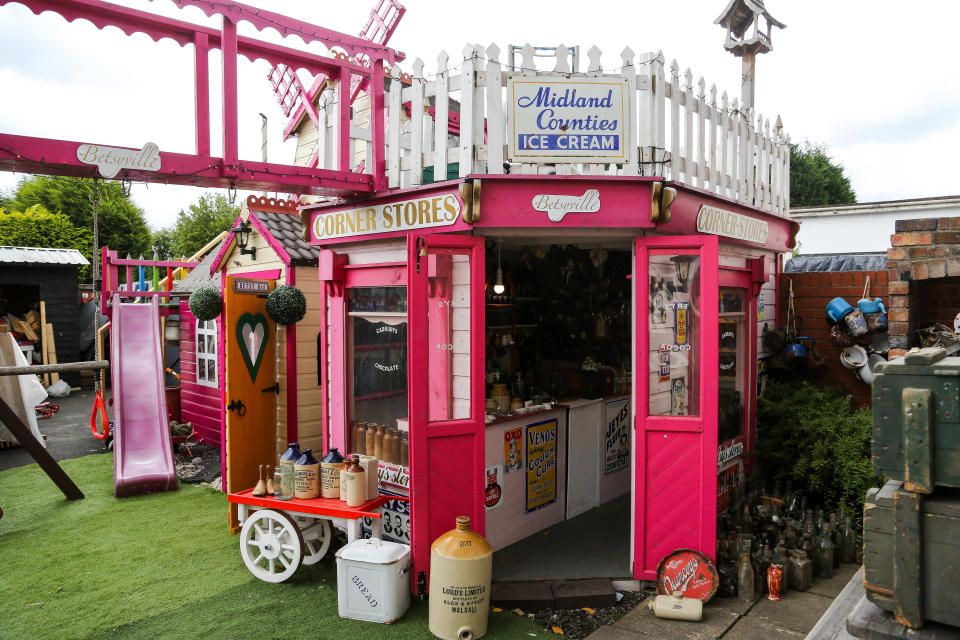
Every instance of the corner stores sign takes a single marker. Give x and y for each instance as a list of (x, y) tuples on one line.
[(729, 224), (418, 213), (559, 119)]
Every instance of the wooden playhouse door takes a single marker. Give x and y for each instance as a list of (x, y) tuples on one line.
[(446, 360), (251, 399), (675, 472)]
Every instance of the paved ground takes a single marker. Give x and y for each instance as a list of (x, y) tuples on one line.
[(68, 432), (790, 619)]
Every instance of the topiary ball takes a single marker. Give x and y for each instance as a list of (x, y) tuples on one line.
[(205, 303), (286, 305)]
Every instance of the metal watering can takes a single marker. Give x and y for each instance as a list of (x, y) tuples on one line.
[(840, 311), (874, 313)]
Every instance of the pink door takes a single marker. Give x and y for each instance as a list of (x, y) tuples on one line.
[(676, 398), (446, 360)]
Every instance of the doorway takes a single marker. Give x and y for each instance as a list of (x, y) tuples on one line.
[(559, 417)]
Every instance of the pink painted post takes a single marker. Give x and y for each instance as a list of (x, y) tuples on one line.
[(376, 126), (343, 149), (231, 154), (222, 364), (201, 49), (292, 381)]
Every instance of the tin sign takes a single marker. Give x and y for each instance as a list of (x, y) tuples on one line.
[(541, 464), (617, 453), (416, 213), (680, 325), (558, 119), (512, 450), (689, 572)]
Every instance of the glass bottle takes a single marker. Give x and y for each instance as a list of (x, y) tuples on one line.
[(283, 482), (835, 538), (405, 450), (789, 536), (745, 576), (848, 542), (823, 555), (388, 444), (800, 571), (808, 523), (746, 520), (818, 520), (394, 451)]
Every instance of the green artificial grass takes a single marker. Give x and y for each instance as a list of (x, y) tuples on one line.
[(161, 566)]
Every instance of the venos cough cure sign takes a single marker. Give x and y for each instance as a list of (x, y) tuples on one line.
[(556, 119)]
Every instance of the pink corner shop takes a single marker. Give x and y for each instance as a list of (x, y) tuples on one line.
[(552, 331)]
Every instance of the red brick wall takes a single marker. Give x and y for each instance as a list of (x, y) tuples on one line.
[(812, 292), (921, 250)]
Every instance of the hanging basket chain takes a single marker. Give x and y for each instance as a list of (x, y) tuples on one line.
[(95, 197)]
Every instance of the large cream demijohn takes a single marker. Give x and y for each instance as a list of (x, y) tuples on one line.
[(461, 564), (676, 607)]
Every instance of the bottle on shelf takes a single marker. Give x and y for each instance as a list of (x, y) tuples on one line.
[(370, 438), (405, 450), (378, 443), (358, 444)]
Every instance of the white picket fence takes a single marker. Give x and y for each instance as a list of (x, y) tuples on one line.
[(676, 128)]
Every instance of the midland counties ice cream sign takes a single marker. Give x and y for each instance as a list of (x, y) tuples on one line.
[(557, 119)]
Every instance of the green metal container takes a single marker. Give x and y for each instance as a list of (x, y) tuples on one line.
[(916, 420), (911, 554)]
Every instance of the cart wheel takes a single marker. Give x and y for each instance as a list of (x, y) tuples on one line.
[(271, 545), (316, 541)]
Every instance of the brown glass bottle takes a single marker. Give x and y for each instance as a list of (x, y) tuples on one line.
[(389, 439), (370, 439), (405, 450), (359, 442), (378, 443)]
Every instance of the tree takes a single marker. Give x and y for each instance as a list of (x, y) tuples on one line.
[(201, 223), (122, 225), (815, 179), (37, 227), (163, 244)]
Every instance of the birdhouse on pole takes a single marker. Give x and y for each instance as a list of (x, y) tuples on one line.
[(738, 18)]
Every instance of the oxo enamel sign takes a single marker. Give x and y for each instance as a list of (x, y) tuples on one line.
[(558, 119)]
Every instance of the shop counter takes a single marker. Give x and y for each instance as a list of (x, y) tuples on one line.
[(526, 482)]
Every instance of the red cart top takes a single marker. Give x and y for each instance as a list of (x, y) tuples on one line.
[(333, 507)]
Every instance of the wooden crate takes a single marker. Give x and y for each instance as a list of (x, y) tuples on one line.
[(911, 553), (916, 420)]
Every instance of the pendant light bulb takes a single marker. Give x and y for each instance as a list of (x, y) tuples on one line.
[(498, 287)]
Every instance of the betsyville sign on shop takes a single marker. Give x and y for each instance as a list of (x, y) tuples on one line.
[(556, 119)]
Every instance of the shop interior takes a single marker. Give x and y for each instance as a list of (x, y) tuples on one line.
[(558, 333)]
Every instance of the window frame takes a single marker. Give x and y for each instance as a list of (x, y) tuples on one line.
[(207, 328)]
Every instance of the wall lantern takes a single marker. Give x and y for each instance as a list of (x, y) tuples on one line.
[(242, 236), (682, 265)]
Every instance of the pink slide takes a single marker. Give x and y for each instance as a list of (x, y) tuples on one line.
[(142, 452)]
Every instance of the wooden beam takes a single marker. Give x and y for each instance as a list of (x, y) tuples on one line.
[(60, 368), (39, 453)]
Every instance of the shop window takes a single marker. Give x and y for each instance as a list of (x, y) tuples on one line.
[(674, 319), (731, 378), (207, 353), (377, 354)]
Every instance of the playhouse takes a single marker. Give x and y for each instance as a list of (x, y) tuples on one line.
[(552, 281)]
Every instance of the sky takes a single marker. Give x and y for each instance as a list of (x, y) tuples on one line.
[(873, 80)]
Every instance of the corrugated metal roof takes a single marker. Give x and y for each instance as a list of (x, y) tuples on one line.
[(40, 255)]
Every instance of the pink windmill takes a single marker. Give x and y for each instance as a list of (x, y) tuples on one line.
[(296, 100)]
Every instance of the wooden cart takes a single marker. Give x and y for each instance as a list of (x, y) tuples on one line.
[(277, 536)]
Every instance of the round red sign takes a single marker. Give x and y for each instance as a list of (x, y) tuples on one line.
[(689, 572)]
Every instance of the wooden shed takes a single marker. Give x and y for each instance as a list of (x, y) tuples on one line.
[(201, 379), (266, 374), (30, 276)]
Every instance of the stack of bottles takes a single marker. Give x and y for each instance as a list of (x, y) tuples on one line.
[(761, 529), (380, 441)]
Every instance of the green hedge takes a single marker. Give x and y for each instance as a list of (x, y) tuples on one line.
[(814, 437)]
